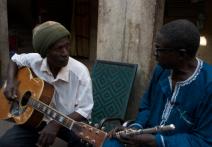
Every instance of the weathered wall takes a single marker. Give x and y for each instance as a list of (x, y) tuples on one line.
[(126, 31), (4, 49), (4, 52)]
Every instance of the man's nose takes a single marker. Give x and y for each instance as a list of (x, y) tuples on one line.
[(63, 53), (64, 50)]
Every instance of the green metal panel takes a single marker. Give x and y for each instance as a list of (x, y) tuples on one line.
[(112, 86)]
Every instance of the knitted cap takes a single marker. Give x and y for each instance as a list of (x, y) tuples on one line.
[(46, 34)]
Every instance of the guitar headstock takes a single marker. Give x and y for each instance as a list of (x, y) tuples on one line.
[(90, 134)]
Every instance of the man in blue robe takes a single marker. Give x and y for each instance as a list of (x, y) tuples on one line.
[(180, 93)]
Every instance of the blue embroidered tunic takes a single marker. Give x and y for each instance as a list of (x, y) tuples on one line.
[(188, 106)]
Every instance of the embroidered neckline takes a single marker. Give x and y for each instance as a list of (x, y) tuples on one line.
[(192, 77), (168, 107)]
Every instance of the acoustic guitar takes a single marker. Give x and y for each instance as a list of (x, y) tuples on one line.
[(32, 104)]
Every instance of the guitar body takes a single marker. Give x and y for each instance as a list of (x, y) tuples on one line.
[(38, 90)]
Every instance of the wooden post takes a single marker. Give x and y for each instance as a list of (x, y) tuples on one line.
[(4, 47)]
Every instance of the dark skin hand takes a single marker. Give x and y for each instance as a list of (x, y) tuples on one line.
[(48, 134), (50, 131), (144, 139), (147, 140), (11, 90)]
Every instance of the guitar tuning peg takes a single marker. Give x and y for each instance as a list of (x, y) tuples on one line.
[(93, 141), (88, 145), (90, 122), (82, 141), (103, 128), (96, 125)]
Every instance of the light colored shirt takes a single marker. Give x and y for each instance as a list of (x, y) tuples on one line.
[(72, 86)]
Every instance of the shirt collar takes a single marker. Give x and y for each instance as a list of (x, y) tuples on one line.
[(44, 67), (62, 75)]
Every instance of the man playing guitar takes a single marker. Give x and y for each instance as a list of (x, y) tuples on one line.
[(70, 79)]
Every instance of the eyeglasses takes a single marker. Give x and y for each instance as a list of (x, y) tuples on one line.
[(163, 49), (169, 49)]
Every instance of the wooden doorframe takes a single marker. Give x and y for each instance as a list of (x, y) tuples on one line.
[(92, 30)]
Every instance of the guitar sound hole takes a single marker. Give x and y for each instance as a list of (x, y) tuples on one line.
[(25, 98)]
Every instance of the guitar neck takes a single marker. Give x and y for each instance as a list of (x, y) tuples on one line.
[(86, 132), (52, 113)]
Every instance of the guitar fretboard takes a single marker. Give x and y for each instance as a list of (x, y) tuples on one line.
[(52, 113)]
